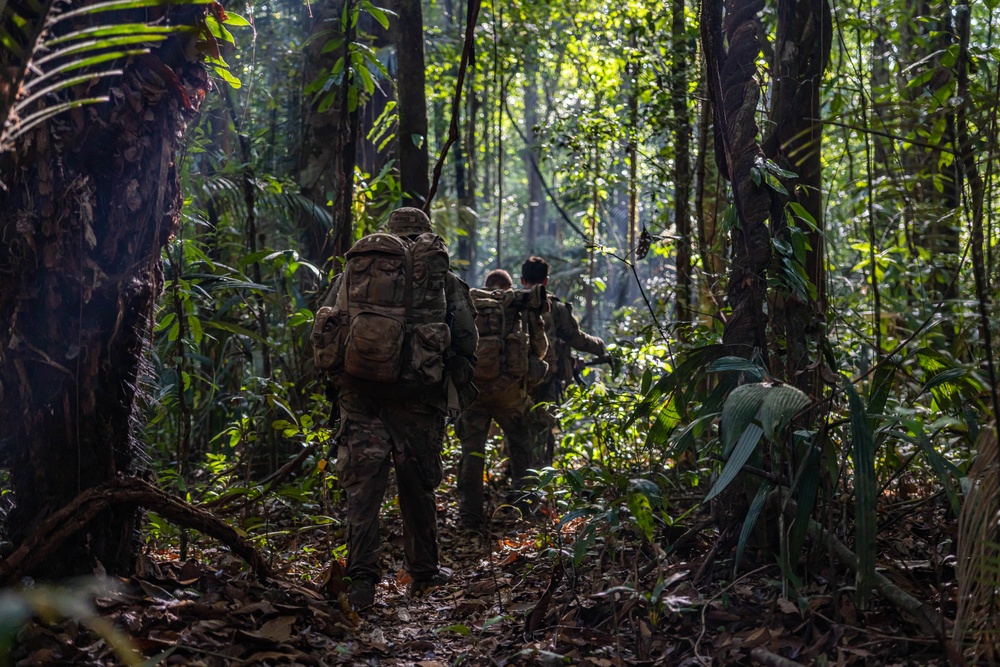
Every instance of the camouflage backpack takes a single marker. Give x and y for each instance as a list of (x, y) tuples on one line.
[(387, 325), (503, 341)]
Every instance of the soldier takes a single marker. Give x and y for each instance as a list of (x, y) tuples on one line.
[(393, 395), (511, 349), (564, 334)]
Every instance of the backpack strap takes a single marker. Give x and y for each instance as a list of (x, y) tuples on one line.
[(408, 287)]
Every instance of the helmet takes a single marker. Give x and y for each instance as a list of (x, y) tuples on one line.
[(408, 221)]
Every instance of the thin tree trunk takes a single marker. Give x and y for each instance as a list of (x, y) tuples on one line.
[(89, 207), (682, 166), (534, 218), (708, 207), (408, 35)]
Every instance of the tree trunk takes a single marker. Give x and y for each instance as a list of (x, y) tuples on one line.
[(408, 35), (91, 201), (466, 182), (708, 208), (802, 51), (682, 166), (534, 219), (325, 132), (734, 92)]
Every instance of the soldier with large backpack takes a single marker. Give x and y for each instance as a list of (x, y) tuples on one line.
[(509, 361), (396, 332), (564, 336)]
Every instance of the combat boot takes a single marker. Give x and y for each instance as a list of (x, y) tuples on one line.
[(421, 586)]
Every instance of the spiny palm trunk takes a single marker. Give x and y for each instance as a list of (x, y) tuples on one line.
[(91, 200)]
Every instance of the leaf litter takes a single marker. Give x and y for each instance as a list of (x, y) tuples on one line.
[(517, 598)]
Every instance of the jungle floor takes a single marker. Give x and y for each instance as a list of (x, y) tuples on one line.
[(512, 601)]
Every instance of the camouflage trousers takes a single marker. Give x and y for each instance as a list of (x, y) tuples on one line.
[(544, 422), (373, 436), (510, 411)]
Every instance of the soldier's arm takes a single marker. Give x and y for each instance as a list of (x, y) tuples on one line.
[(569, 331), (536, 333)]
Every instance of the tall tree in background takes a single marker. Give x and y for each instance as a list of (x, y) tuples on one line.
[(89, 202), (408, 36)]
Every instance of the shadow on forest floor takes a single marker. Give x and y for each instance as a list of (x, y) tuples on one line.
[(511, 602)]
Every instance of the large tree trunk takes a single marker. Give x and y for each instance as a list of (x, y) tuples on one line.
[(408, 35), (91, 201), (329, 142), (734, 93), (802, 50)]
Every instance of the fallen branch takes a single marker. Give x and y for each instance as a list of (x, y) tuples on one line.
[(66, 522), (925, 615)]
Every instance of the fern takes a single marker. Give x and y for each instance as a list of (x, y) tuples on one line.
[(46, 57)]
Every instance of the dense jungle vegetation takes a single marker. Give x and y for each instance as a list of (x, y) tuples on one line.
[(780, 215)]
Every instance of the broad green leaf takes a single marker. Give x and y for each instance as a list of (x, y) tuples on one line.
[(778, 408), (194, 324), (235, 20), (642, 512), (740, 409), (866, 518), (752, 514), (944, 377), (236, 329), (745, 446), (737, 364), (459, 628)]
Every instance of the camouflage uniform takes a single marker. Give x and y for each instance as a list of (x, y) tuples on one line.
[(377, 428), (507, 402), (564, 335)]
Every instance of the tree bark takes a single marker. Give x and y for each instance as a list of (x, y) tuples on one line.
[(734, 93), (534, 219), (682, 166), (91, 201), (802, 51), (408, 36)]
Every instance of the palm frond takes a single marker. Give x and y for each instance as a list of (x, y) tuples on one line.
[(225, 193), (977, 623), (52, 47)]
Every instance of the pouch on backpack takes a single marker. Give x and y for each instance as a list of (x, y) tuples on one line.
[(428, 345), (328, 339), (489, 359), (374, 348), (515, 355)]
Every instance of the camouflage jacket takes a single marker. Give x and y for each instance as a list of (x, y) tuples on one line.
[(564, 335)]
